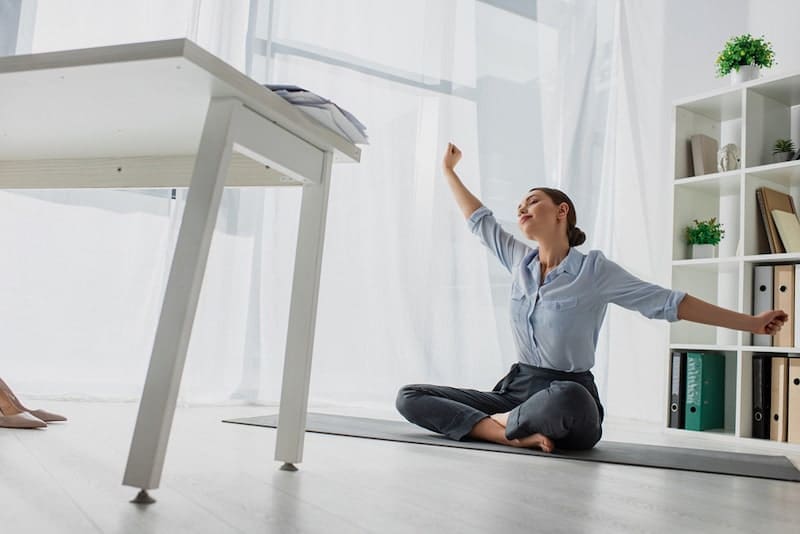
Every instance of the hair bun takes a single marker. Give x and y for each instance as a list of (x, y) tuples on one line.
[(576, 236)]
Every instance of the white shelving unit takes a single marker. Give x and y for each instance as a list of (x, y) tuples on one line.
[(752, 115)]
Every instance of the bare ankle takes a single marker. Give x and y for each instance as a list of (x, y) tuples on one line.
[(488, 429)]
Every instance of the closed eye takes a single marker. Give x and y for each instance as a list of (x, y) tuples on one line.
[(528, 203)]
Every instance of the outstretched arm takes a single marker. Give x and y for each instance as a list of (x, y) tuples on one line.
[(700, 311), (466, 200)]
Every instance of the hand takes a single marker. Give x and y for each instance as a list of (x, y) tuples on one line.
[(451, 157), (769, 322)]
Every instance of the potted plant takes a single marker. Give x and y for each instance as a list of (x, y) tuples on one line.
[(704, 236), (744, 56), (783, 150)]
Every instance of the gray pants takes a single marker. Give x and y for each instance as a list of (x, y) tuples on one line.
[(563, 406)]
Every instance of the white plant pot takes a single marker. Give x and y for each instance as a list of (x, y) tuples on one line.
[(703, 251), (782, 156), (744, 74)]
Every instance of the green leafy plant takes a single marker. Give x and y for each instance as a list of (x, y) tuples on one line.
[(744, 50), (708, 232), (783, 145)]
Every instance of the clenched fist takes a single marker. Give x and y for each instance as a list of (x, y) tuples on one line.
[(451, 157)]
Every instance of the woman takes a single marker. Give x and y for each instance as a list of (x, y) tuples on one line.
[(558, 300)]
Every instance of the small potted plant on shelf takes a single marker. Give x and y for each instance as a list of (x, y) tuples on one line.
[(704, 236), (743, 56), (783, 150)]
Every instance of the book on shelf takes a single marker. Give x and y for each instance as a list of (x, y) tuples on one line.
[(766, 243), (704, 154), (788, 226), (705, 391), (769, 200)]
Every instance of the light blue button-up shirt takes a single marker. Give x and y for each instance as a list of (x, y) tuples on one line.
[(556, 323)]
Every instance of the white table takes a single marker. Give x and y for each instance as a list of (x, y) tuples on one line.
[(169, 114)]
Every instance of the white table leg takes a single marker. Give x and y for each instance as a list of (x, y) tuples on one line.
[(157, 407), (302, 320)]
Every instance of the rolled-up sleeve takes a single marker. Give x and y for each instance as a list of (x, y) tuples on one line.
[(508, 250), (624, 289)]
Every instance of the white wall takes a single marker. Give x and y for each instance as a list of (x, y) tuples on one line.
[(777, 20)]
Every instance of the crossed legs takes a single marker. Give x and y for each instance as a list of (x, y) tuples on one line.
[(563, 415)]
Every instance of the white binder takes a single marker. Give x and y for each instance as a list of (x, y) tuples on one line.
[(762, 299)]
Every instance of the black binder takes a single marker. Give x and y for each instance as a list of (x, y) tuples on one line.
[(677, 402), (762, 378)]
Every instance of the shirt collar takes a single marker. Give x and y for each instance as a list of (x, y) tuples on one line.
[(571, 264)]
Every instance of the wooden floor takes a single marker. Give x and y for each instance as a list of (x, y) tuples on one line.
[(221, 478)]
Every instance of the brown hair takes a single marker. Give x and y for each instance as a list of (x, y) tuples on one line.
[(575, 235)]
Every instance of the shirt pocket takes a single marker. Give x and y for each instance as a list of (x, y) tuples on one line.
[(562, 304), (519, 305)]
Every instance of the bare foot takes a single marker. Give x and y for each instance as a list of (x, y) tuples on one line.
[(537, 440), (501, 418)]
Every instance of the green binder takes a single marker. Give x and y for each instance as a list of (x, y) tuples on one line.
[(705, 391)]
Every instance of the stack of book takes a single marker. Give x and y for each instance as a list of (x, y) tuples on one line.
[(776, 397), (779, 222), (697, 399), (324, 111)]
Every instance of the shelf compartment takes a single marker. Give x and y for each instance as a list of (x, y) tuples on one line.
[(719, 117), (785, 90), (732, 393), (715, 282), (780, 178), (772, 113), (702, 198)]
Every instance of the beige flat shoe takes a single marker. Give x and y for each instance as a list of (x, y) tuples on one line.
[(42, 415)]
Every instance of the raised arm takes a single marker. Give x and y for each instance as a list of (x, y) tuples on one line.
[(480, 219), (466, 200), (699, 311)]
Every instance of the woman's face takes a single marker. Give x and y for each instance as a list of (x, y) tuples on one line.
[(537, 214)]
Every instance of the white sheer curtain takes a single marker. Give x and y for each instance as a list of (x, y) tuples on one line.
[(84, 289), (407, 293)]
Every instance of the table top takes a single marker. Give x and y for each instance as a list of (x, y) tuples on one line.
[(139, 99)]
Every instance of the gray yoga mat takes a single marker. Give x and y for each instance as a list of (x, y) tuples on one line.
[(704, 461)]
